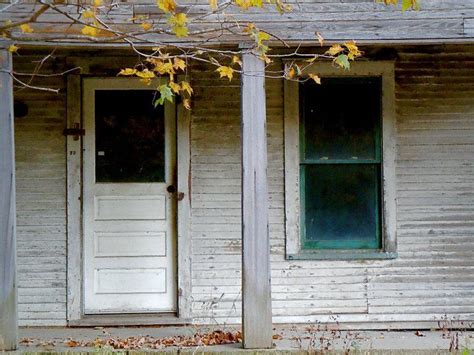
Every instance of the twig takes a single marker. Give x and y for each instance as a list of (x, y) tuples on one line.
[(46, 75), (9, 5), (26, 85), (33, 18)]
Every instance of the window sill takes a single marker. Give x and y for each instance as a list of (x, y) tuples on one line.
[(342, 255)]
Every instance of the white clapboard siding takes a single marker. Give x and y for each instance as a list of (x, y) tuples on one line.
[(41, 203), (434, 273)]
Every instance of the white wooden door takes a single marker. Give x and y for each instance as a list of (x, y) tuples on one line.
[(128, 214)]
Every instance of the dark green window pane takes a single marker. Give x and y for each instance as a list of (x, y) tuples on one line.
[(130, 137), (341, 118), (340, 206)]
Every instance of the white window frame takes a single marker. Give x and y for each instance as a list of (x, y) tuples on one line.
[(386, 71)]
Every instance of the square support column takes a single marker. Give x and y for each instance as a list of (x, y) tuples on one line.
[(8, 292), (256, 292)]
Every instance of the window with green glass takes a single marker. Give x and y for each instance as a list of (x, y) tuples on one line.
[(340, 163)]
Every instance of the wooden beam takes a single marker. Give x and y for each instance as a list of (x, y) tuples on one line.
[(74, 193), (184, 212), (8, 292), (256, 292)]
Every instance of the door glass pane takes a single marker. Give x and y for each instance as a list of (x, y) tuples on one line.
[(341, 118), (130, 137), (340, 206)]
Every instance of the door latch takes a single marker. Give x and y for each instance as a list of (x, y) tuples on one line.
[(75, 131)]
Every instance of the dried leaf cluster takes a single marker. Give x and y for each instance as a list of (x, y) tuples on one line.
[(217, 337)]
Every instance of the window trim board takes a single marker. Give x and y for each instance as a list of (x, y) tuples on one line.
[(386, 70)]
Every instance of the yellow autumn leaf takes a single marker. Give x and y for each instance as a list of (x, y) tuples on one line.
[(166, 5), (256, 3), (179, 64), (145, 74), (265, 58), (127, 71), (410, 4), (213, 4), (225, 71), (262, 36), (187, 104), (335, 49), (180, 31), (174, 87), (243, 4), (178, 23), (186, 87), (12, 48), (89, 31), (25, 28), (316, 78), (291, 73), (320, 39), (178, 19), (96, 2), (282, 6), (146, 25), (354, 51), (88, 14), (250, 27), (236, 60), (163, 67), (406, 4), (351, 46)]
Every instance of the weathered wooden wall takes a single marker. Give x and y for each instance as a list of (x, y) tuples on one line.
[(433, 276), (364, 20), (434, 273), (41, 197)]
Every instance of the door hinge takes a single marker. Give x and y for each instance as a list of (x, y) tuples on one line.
[(75, 131)]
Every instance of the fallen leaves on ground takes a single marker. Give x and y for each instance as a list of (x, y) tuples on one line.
[(72, 343), (217, 337)]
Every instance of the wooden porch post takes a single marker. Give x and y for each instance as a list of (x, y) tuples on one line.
[(8, 296), (256, 293)]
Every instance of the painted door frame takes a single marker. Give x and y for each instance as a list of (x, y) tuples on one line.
[(74, 149)]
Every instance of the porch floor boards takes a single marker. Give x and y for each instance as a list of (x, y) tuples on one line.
[(288, 339)]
